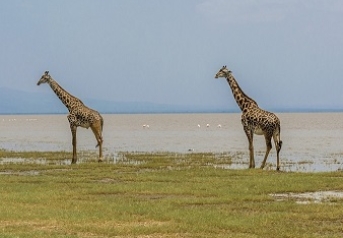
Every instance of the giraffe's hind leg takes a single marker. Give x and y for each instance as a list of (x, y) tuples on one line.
[(278, 145), (269, 147), (97, 130)]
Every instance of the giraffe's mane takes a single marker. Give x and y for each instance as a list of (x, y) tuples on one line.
[(240, 89), (246, 96), (65, 91)]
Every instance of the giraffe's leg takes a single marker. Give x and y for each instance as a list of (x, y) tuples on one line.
[(73, 127), (278, 144), (97, 130), (73, 132), (251, 154), (269, 147), (250, 134)]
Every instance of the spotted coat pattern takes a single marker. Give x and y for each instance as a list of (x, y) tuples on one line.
[(79, 114), (254, 119)]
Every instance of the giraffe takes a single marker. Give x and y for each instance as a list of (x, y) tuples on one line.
[(79, 114), (254, 119)]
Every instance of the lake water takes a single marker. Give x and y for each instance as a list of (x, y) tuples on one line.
[(311, 141)]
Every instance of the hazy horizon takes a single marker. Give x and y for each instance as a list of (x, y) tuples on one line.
[(13, 102)]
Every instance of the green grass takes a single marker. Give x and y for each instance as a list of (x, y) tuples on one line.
[(160, 195)]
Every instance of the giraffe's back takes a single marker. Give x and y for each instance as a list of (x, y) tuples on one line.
[(261, 121), (84, 116)]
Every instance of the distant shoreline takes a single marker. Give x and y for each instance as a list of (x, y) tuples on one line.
[(185, 112)]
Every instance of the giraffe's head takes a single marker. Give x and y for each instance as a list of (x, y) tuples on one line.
[(223, 72), (45, 78)]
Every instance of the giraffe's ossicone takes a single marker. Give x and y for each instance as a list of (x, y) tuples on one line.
[(79, 114)]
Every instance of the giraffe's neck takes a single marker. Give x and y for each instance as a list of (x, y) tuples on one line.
[(67, 99), (243, 100)]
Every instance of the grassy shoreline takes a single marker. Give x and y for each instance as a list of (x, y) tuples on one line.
[(162, 195)]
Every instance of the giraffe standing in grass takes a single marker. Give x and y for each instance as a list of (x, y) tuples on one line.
[(79, 114), (254, 119)]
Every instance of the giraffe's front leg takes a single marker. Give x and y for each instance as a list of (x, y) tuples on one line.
[(73, 132), (73, 127), (251, 154), (250, 134)]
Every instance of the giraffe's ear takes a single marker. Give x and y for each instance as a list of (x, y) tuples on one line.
[(46, 72)]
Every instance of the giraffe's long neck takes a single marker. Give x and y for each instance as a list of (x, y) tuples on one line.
[(243, 100), (67, 99)]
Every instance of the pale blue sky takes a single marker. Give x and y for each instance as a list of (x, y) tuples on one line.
[(284, 54)]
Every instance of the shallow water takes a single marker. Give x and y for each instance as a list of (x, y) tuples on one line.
[(311, 141), (309, 197)]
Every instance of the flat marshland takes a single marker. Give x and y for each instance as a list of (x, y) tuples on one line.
[(162, 195)]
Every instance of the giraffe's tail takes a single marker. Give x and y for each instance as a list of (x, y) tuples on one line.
[(280, 144)]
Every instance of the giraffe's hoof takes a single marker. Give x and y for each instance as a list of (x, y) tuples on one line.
[(100, 161), (278, 169)]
